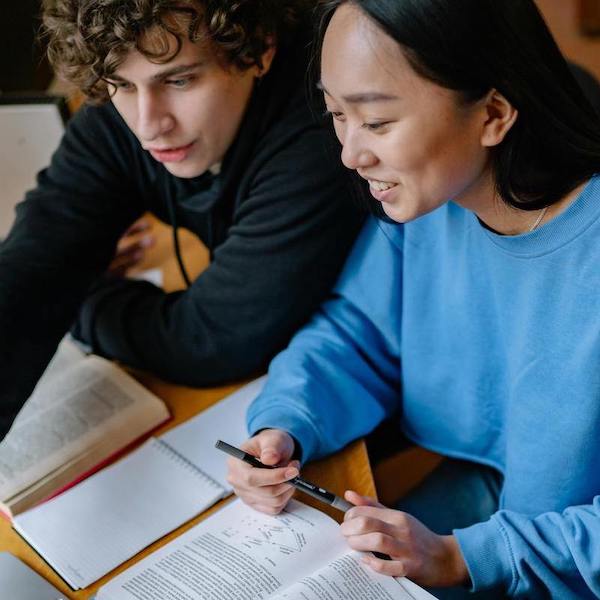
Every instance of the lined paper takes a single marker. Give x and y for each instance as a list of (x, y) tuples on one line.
[(113, 515)]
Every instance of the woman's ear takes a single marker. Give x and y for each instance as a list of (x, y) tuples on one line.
[(500, 117)]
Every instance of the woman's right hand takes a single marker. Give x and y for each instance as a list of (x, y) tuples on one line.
[(265, 490)]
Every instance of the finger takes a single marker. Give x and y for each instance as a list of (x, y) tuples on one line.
[(396, 518), (271, 447), (244, 476), (363, 524), (128, 256), (257, 499), (127, 245), (268, 510), (139, 226), (265, 492), (121, 264), (358, 500), (394, 568), (376, 542)]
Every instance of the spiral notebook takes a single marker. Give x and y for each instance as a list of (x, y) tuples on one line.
[(103, 521)]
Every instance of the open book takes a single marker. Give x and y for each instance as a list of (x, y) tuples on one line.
[(240, 553), (83, 410), (101, 522)]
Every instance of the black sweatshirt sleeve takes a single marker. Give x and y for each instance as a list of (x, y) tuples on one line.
[(281, 256), (63, 237)]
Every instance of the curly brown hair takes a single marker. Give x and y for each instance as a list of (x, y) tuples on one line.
[(88, 39)]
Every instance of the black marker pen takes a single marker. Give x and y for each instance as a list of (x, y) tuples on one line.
[(300, 484)]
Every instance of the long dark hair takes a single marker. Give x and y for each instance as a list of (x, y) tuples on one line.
[(473, 46)]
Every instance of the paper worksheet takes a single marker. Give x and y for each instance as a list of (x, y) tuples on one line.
[(243, 554)]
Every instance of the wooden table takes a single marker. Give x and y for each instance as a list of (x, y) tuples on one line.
[(348, 469)]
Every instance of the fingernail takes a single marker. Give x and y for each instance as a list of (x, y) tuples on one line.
[(291, 473)]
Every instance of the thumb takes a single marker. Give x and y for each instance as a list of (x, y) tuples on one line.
[(275, 447)]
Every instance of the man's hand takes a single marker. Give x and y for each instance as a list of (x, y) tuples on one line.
[(415, 551), (132, 247), (265, 489)]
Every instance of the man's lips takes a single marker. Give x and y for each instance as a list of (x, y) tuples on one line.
[(166, 155)]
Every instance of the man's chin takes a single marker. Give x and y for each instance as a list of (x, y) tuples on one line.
[(185, 171)]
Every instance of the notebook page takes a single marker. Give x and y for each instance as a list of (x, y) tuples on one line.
[(195, 439), (106, 519)]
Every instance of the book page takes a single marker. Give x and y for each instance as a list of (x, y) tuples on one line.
[(236, 553), (100, 523), (71, 413), (67, 354), (346, 578)]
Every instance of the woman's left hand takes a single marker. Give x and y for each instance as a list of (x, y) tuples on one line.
[(415, 551)]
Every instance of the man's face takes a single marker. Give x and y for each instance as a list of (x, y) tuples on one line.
[(186, 112)]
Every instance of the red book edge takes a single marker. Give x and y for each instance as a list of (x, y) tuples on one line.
[(103, 463)]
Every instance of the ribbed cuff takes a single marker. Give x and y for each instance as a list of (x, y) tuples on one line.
[(485, 548)]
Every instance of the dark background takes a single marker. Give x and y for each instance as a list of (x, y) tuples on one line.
[(23, 65)]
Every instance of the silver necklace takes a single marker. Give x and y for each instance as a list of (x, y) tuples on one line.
[(539, 219)]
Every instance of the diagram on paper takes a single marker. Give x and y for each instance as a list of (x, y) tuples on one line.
[(272, 533)]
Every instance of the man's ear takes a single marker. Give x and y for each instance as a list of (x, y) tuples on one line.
[(499, 118), (267, 58)]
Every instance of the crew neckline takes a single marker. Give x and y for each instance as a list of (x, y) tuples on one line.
[(558, 231)]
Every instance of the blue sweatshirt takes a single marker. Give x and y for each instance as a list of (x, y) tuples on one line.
[(488, 346)]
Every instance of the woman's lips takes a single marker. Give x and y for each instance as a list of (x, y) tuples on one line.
[(171, 155), (383, 195)]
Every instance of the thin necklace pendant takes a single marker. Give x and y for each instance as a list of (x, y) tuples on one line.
[(539, 219)]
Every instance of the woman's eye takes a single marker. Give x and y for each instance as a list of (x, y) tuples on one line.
[(375, 126), (338, 116)]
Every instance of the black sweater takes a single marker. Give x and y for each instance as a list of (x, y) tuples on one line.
[(278, 221)]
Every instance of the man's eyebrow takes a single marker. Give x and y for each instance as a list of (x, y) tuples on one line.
[(176, 70), (165, 74), (362, 97)]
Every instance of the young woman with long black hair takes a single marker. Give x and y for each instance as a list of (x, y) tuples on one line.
[(472, 313)]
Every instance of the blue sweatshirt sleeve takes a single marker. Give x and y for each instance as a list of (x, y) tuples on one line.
[(340, 375), (529, 556)]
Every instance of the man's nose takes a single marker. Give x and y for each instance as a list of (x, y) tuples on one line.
[(154, 119)]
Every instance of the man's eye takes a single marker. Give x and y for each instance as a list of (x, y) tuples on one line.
[(179, 83), (124, 86)]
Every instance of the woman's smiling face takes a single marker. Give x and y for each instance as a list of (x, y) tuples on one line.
[(417, 143)]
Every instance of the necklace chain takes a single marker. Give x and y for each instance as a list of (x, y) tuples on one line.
[(539, 219)]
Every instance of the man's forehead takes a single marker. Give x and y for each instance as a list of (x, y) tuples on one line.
[(142, 64)]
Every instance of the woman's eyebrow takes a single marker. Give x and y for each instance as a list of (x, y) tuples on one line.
[(362, 97)]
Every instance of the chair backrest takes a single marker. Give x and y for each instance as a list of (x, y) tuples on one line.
[(31, 128)]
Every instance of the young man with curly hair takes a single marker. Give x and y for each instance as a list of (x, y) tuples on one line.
[(197, 114)]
